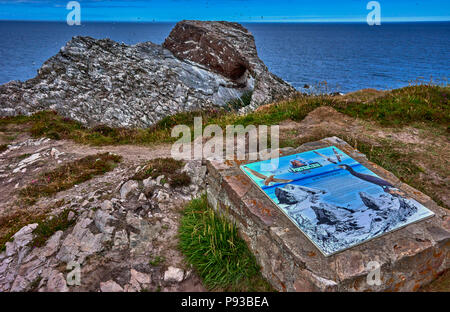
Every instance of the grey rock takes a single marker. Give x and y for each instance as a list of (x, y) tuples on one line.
[(81, 243), (149, 182), (110, 286), (71, 215), (102, 219), (120, 240), (128, 188), (173, 275), (56, 282), (142, 197)]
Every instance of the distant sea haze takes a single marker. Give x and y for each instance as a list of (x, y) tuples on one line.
[(348, 56)]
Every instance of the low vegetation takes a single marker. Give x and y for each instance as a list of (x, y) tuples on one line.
[(425, 103), (241, 102), (49, 226), (168, 167), (212, 245), (12, 223), (67, 175), (156, 261)]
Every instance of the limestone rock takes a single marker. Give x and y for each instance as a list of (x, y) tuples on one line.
[(110, 286), (80, 243), (56, 282), (121, 240), (127, 188), (173, 275), (102, 220)]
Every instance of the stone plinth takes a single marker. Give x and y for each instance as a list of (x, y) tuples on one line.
[(409, 258)]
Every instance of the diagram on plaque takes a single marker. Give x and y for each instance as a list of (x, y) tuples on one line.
[(333, 199)]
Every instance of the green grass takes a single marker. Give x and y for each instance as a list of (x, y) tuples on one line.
[(9, 225), (156, 261), (67, 175), (405, 106), (212, 245)]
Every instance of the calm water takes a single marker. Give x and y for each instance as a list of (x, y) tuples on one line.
[(348, 56)]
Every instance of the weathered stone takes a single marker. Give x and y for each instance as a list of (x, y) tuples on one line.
[(107, 205), (128, 188), (52, 244), (121, 240), (80, 243), (141, 278), (102, 220), (173, 275), (228, 49), (110, 286), (142, 198), (56, 282)]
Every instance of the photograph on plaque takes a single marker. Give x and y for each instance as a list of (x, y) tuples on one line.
[(333, 199)]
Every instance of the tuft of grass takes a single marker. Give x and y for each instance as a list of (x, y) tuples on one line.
[(168, 167), (3, 147), (159, 166), (47, 227), (156, 261), (67, 175), (212, 245)]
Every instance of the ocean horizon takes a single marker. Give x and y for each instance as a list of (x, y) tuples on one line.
[(333, 57)]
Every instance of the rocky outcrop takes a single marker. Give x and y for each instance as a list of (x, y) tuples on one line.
[(105, 82), (228, 49)]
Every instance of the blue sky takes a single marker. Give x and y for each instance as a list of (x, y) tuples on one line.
[(232, 10)]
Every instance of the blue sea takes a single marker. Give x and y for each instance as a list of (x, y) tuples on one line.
[(347, 56)]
